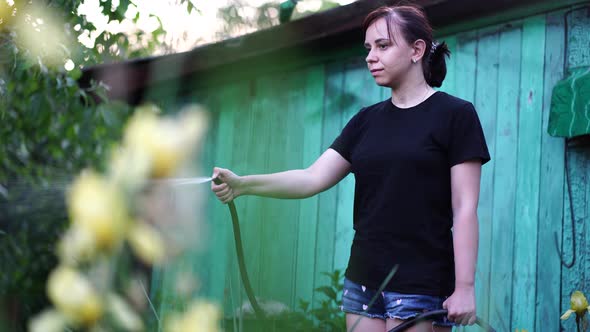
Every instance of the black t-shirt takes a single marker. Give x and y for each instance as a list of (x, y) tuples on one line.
[(401, 160)]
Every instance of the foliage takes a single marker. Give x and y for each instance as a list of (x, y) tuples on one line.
[(267, 15), (107, 216), (51, 128), (326, 316), (26, 248)]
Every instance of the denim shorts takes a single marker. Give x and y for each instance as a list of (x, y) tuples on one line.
[(356, 297)]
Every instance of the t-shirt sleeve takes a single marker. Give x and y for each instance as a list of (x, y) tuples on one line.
[(343, 144), (467, 139)]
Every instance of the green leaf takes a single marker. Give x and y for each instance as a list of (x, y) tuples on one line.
[(303, 305), (75, 73), (108, 116), (328, 291)]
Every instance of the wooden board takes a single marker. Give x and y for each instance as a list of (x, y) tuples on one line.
[(486, 105), (528, 174), (549, 308), (503, 221), (328, 200), (312, 117)]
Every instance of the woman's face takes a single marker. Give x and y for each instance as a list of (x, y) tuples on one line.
[(388, 60)]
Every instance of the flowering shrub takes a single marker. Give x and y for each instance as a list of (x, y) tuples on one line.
[(107, 218)]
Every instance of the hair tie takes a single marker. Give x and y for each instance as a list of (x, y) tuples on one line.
[(432, 50), (433, 47)]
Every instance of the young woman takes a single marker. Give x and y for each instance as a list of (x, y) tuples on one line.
[(417, 159)]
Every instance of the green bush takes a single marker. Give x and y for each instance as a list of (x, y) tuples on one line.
[(51, 129), (326, 316)]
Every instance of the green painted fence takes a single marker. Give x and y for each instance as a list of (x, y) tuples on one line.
[(285, 120)]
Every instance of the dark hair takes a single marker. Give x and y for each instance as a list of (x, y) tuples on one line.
[(413, 25)]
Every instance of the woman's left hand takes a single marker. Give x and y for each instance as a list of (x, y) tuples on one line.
[(461, 305)]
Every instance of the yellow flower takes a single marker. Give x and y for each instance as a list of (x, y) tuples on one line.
[(123, 315), (578, 305), (158, 141), (129, 168), (74, 296), (98, 206), (146, 243), (167, 142), (174, 323), (193, 122), (76, 246), (148, 108), (200, 317), (48, 321)]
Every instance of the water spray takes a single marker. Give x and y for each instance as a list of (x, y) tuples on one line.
[(237, 236), (182, 181)]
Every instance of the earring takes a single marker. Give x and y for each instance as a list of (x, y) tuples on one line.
[(413, 60)]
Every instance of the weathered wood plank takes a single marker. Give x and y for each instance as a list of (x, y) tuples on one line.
[(486, 106), (311, 113), (528, 173), (466, 55), (501, 265), (572, 278), (552, 186), (577, 278), (328, 200), (210, 264), (220, 224), (466, 62), (294, 160), (278, 232), (583, 246), (258, 157), (271, 100), (449, 84)]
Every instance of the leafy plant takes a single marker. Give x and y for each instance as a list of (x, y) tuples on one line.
[(326, 316), (107, 218), (51, 128)]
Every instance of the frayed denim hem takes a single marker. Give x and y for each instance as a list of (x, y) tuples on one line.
[(364, 314), (439, 323)]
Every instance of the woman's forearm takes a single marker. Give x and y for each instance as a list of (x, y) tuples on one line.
[(465, 242), (324, 173), (296, 183)]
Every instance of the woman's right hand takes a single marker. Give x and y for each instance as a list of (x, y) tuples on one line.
[(229, 189)]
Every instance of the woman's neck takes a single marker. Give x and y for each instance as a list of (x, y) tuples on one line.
[(410, 94)]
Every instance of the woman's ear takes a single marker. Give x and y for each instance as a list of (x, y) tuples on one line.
[(418, 49)]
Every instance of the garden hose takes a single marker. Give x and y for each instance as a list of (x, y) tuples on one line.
[(436, 313), (240, 253)]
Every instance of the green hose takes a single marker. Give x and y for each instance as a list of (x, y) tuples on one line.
[(240, 253)]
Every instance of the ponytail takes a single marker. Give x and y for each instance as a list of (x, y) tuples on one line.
[(435, 67)]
